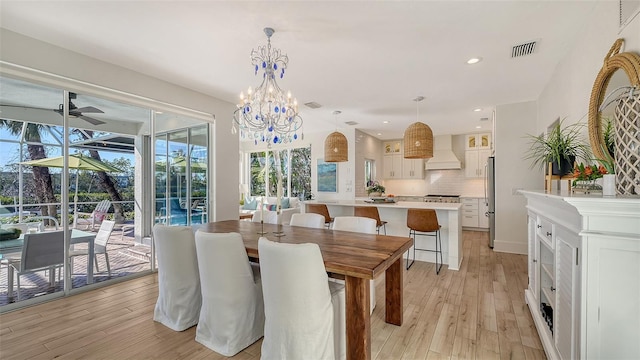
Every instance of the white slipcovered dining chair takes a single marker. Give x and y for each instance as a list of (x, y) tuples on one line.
[(270, 217), (361, 225), (304, 312), (310, 220), (100, 246), (179, 297), (232, 313)]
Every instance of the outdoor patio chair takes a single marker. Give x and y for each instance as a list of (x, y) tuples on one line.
[(95, 218), (40, 252), (100, 247)]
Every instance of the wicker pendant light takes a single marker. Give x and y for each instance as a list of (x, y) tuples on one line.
[(336, 147), (418, 138)]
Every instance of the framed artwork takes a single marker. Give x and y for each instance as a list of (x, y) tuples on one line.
[(327, 176)]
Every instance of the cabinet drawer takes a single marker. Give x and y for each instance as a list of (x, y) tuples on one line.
[(470, 220), (469, 203), (469, 212), (545, 230)]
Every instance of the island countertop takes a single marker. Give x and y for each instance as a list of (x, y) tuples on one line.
[(398, 205), (395, 214)]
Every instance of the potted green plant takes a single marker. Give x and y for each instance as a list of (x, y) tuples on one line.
[(561, 146), (375, 189)]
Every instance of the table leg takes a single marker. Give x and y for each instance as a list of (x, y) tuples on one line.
[(90, 257), (358, 318), (393, 293)]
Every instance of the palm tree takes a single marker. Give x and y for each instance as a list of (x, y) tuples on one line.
[(41, 175), (104, 180)]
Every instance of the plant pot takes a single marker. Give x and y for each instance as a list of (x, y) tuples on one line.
[(565, 167), (375, 194)]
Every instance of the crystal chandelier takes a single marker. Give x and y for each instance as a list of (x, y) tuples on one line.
[(268, 114)]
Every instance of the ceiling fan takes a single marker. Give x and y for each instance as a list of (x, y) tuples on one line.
[(73, 110), (78, 112)]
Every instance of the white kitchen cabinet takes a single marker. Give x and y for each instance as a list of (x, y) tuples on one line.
[(413, 168), (392, 147), (392, 166), (469, 209), (478, 141), (475, 163), (584, 263), (473, 213)]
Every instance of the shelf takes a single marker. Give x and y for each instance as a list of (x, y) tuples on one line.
[(548, 269), (548, 294)]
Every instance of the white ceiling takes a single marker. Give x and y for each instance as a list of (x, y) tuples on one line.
[(367, 59)]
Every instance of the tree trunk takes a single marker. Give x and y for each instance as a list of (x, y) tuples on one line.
[(43, 182), (107, 183)]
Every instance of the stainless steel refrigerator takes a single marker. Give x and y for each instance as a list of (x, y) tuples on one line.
[(490, 196)]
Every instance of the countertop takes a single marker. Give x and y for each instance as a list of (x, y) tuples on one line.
[(398, 205)]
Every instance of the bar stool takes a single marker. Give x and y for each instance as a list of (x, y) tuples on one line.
[(424, 222), (371, 212), (322, 210)]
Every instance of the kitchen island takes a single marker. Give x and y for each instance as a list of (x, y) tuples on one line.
[(395, 214)]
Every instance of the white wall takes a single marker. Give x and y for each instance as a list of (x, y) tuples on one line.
[(31, 53), (512, 173), (567, 93), (565, 96)]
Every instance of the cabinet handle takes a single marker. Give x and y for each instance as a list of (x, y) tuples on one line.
[(553, 289), (538, 226), (548, 233), (534, 260)]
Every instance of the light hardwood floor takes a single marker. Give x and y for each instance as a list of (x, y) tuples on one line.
[(475, 313)]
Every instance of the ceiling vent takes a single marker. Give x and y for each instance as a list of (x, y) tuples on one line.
[(313, 105), (484, 119), (351, 123), (523, 49)]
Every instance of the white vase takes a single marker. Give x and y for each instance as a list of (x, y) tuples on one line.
[(609, 184)]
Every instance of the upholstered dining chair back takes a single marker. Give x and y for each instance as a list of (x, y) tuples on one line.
[(270, 217), (361, 225), (232, 314), (320, 209), (355, 224), (309, 220), (304, 312), (179, 297)]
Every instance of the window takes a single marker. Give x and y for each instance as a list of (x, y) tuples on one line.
[(369, 171), (296, 172)]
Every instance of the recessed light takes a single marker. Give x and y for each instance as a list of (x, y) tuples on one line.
[(385, 122), (478, 127), (478, 109), (379, 134), (474, 60)]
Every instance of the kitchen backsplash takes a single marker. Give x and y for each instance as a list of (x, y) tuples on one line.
[(448, 182)]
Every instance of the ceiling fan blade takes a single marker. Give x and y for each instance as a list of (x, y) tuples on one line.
[(91, 120), (88, 109)]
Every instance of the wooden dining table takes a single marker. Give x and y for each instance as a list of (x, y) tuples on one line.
[(355, 256)]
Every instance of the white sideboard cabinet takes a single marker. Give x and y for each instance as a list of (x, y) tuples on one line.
[(584, 275)]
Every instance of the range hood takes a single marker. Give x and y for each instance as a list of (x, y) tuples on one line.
[(443, 156)]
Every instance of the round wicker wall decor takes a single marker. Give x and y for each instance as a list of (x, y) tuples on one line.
[(627, 118)]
